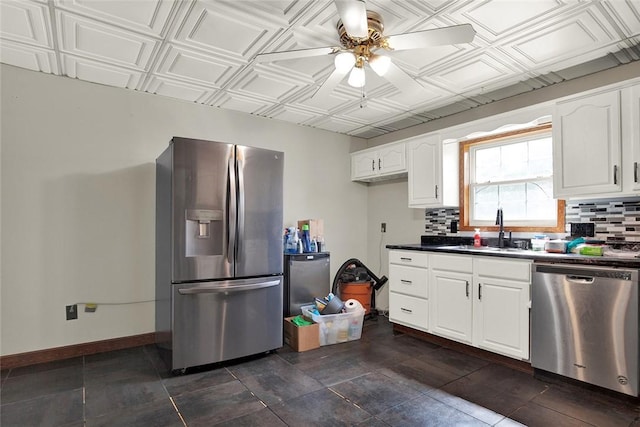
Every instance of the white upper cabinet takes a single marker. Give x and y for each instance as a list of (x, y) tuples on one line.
[(631, 133), (383, 162), (587, 146), (433, 172)]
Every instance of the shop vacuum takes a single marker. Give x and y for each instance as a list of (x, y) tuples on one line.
[(355, 281)]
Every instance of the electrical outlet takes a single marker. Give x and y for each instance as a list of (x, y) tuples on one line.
[(383, 227), (72, 312)]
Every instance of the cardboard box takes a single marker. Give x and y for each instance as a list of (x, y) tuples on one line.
[(301, 338), (316, 227)]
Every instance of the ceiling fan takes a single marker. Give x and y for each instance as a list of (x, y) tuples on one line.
[(362, 39)]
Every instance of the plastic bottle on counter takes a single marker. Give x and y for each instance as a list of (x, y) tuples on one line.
[(285, 240), (314, 244), (306, 239), (322, 246), (476, 239), (291, 246)]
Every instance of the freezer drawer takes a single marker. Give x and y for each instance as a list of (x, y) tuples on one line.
[(218, 321)]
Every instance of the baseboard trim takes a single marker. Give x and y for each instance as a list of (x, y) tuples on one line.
[(519, 365), (67, 352)]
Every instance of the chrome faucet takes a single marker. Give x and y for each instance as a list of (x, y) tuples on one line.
[(500, 222)]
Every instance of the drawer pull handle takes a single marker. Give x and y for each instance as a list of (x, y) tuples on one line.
[(406, 282), (406, 310), (405, 259)]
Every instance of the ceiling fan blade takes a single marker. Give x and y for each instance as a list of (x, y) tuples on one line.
[(353, 14), (328, 86), (404, 82), (439, 36), (294, 54)]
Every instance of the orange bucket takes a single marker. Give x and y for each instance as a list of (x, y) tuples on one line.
[(360, 291)]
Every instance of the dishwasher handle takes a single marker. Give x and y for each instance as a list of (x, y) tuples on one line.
[(577, 272), (584, 280)]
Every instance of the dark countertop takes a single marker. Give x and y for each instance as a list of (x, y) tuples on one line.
[(458, 245)]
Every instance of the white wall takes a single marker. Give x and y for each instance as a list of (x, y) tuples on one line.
[(388, 202), (78, 200)]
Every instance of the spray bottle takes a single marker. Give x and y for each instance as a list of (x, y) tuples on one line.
[(476, 239)]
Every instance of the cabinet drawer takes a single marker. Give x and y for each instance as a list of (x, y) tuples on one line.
[(409, 311), (506, 269), (412, 258), (457, 263), (408, 280)]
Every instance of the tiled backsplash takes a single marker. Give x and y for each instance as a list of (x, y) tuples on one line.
[(617, 220), (438, 221)]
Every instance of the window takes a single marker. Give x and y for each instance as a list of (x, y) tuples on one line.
[(514, 171)]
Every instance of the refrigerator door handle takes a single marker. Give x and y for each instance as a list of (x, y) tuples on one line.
[(241, 204), (231, 212), (211, 289)]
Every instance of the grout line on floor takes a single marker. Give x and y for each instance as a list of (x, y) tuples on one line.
[(177, 411)]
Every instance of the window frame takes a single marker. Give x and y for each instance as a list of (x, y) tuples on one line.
[(464, 173)]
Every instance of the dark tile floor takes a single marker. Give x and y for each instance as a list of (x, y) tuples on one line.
[(381, 380)]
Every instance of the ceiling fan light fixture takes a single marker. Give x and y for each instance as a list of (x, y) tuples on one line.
[(379, 64), (356, 77), (344, 62)]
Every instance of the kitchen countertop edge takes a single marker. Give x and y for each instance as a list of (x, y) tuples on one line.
[(535, 256)]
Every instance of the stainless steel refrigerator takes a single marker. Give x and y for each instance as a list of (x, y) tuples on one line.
[(218, 252)]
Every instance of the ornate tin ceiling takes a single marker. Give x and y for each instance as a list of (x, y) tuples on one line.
[(203, 51)]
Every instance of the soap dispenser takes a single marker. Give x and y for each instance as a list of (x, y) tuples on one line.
[(476, 239)]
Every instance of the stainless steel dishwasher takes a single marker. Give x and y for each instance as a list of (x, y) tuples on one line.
[(584, 324)]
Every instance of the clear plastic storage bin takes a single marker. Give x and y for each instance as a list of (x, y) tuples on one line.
[(337, 328)]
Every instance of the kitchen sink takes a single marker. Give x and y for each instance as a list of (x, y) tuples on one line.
[(480, 249)]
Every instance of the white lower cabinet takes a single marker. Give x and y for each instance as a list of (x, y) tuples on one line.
[(501, 306), (450, 287), (476, 300), (409, 311), (408, 292)]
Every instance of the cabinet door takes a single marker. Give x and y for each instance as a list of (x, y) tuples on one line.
[(424, 172), (501, 316), (392, 159), (450, 305), (587, 146), (364, 164), (635, 134)]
